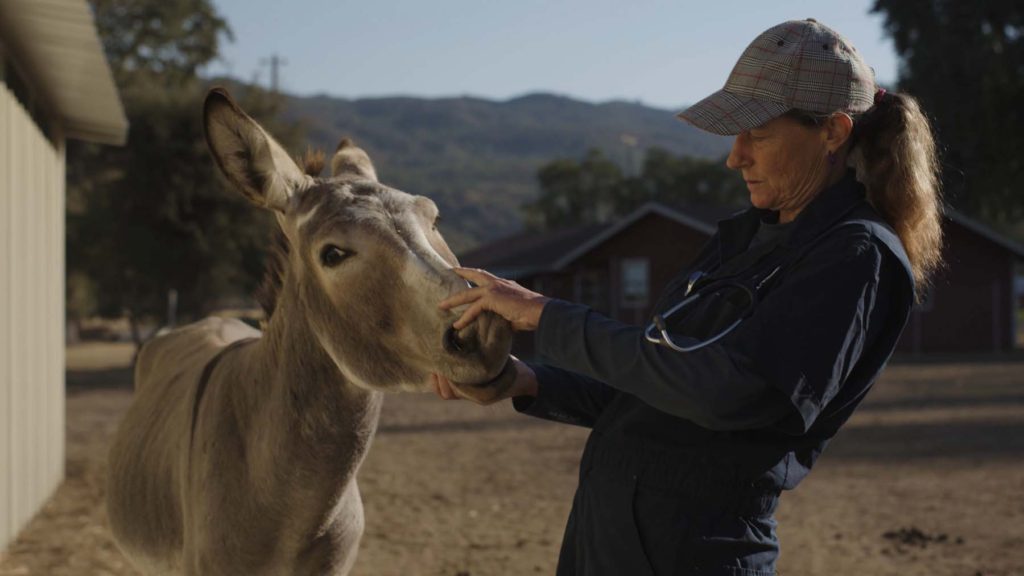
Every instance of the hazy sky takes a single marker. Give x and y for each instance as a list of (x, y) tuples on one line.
[(661, 53)]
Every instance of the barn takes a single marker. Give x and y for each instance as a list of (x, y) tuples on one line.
[(618, 268), (55, 85)]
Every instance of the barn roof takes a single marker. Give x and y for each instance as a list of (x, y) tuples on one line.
[(1014, 247), (531, 252), (54, 42)]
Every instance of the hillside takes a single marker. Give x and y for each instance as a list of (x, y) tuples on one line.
[(478, 158)]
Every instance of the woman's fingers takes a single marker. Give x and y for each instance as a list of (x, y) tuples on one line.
[(505, 298), (436, 385), (482, 280), (444, 391), (476, 276), (435, 382), (469, 315), (442, 387), (464, 297)]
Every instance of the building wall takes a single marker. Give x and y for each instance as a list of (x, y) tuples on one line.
[(970, 307), (31, 316), (668, 245)]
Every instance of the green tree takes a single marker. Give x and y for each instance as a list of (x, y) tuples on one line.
[(965, 62), (576, 192), (595, 189), (166, 41), (678, 180), (154, 215)]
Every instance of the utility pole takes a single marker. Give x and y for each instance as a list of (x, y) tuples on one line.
[(275, 62)]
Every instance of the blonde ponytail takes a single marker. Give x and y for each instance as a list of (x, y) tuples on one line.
[(893, 151)]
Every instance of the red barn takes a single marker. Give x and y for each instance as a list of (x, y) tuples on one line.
[(619, 268)]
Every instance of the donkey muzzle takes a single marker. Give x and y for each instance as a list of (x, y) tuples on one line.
[(460, 345)]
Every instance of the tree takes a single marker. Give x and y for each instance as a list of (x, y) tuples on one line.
[(167, 41), (684, 179), (964, 61), (154, 215), (575, 192), (595, 189)]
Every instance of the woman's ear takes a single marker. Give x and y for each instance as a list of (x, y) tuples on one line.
[(838, 129)]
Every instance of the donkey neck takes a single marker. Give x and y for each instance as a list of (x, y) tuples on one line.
[(302, 411), (294, 433), (314, 387)]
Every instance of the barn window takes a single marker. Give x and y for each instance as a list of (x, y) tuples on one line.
[(635, 282)]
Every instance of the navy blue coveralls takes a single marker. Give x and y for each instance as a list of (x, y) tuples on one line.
[(690, 451)]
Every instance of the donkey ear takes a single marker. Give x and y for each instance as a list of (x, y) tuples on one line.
[(350, 159), (257, 165)]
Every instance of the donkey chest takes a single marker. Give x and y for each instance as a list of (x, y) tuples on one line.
[(282, 479), (263, 461), (304, 517)]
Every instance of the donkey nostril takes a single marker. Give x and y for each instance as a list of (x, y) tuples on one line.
[(454, 344), (451, 341)]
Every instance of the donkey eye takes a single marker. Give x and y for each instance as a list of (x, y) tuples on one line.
[(331, 256)]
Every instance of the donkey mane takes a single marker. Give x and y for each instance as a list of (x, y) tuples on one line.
[(312, 162), (275, 267)]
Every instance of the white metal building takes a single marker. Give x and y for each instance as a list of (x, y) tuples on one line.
[(55, 84)]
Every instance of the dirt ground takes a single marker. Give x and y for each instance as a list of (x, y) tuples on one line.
[(926, 479)]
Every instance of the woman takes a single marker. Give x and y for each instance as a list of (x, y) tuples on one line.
[(691, 449)]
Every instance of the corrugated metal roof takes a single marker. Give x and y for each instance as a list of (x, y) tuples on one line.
[(55, 44)]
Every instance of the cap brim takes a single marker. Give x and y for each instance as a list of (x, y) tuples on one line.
[(726, 113)]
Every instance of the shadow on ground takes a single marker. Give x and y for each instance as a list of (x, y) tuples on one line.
[(78, 381), (462, 426), (1001, 398), (972, 441)]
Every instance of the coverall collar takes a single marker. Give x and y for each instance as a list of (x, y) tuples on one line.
[(825, 210)]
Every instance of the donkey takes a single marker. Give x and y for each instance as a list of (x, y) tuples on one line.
[(240, 451)]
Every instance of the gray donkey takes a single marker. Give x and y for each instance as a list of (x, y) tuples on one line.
[(240, 451)]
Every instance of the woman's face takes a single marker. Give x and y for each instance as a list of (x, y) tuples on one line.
[(784, 163)]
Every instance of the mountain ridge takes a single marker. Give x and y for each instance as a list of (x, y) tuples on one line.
[(478, 157)]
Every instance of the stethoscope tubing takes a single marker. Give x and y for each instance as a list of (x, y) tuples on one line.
[(657, 330)]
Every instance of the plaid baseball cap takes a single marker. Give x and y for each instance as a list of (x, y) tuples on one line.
[(800, 64)]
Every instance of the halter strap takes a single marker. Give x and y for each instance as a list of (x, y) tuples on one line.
[(204, 380)]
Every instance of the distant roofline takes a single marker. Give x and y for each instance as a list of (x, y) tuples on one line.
[(983, 230), (511, 263), (629, 220), (703, 226)]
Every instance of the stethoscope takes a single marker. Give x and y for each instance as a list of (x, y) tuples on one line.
[(657, 331)]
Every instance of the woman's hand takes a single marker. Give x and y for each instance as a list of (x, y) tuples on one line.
[(525, 384), (505, 298)]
